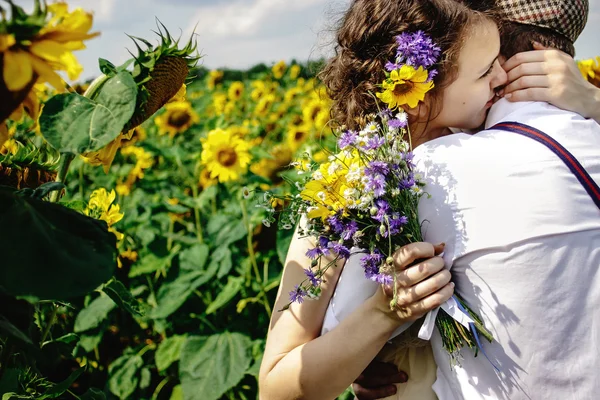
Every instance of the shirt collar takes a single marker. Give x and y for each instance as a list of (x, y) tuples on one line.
[(502, 109)]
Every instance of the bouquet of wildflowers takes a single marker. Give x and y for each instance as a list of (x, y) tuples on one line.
[(366, 195)]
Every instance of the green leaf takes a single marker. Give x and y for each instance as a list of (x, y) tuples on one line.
[(75, 124), (72, 254), (212, 365), (231, 233), (93, 315), (234, 284), (8, 329), (168, 351), (93, 394), (62, 387), (9, 381), (106, 67), (173, 294), (89, 341), (258, 349), (145, 377), (177, 393), (123, 297), (124, 377), (151, 263), (221, 259), (194, 258)]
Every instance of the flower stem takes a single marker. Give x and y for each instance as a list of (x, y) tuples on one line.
[(95, 86), (66, 160), (50, 323), (197, 213)]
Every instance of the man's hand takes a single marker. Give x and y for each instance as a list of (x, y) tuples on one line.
[(552, 76), (377, 381)]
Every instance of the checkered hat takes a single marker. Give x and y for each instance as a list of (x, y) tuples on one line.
[(567, 17)]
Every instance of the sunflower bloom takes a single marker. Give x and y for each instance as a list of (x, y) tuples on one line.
[(279, 69), (236, 90), (225, 155), (178, 117), (100, 207), (298, 135), (214, 78), (405, 86)]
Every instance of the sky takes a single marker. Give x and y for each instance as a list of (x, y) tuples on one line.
[(238, 33)]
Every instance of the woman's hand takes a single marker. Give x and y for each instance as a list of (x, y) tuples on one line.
[(420, 286), (552, 76)]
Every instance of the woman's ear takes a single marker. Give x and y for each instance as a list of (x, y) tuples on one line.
[(418, 113)]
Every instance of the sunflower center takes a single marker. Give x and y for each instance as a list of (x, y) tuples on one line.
[(299, 135), (403, 88), (179, 118), (315, 113), (227, 157)]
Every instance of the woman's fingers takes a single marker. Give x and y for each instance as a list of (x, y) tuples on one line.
[(408, 254), (416, 310), (419, 272), (406, 296)]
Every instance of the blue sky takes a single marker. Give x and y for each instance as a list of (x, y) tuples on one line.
[(238, 33)]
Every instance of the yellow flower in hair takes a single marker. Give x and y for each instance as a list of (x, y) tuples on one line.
[(405, 86)]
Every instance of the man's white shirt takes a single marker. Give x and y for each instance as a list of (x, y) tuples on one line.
[(523, 238)]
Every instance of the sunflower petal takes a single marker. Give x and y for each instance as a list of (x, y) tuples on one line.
[(47, 74), (17, 71)]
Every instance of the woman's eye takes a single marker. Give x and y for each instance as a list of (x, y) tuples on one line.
[(489, 71)]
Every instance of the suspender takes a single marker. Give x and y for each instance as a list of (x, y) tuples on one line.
[(582, 176)]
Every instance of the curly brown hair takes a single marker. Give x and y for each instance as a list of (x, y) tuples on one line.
[(366, 41)]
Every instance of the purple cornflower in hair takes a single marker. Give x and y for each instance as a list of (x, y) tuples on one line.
[(417, 49), (297, 295), (312, 277), (432, 74), (390, 66), (349, 231), (348, 138), (339, 249)]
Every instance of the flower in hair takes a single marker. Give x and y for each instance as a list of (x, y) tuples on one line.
[(410, 75)]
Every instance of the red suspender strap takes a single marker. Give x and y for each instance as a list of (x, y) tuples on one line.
[(582, 176)]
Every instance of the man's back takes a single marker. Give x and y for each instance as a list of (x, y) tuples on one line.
[(524, 239)]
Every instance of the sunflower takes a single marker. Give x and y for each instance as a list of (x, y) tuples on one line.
[(590, 69), (294, 71), (224, 155), (236, 90), (100, 207), (405, 86), (297, 135), (259, 89), (264, 105), (177, 118), (205, 180), (279, 69), (214, 78), (270, 167)]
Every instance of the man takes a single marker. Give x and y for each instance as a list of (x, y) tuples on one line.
[(521, 232)]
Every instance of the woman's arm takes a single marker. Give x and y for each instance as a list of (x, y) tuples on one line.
[(552, 76), (299, 363)]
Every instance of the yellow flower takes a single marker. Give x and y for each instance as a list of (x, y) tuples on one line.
[(106, 155), (264, 105), (128, 256), (279, 69), (590, 69), (48, 51), (180, 95), (236, 90), (219, 102), (177, 118), (317, 112), (225, 156), (294, 71), (205, 180), (239, 131), (144, 160), (9, 146), (123, 189), (214, 78), (297, 135), (259, 89), (269, 167), (100, 207), (405, 86)]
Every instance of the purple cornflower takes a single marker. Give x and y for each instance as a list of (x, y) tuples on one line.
[(297, 295), (382, 208), (312, 277), (370, 264), (347, 138), (377, 168), (417, 50), (315, 252), (349, 231), (376, 183), (339, 249), (323, 242), (336, 223), (408, 182), (396, 222), (432, 74), (374, 143)]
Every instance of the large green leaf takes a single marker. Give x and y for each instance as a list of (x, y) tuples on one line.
[(93, 394), (194, 258), (212, 365), (173, 294), (123, 297), (221, 259), (169, 351), (234, 284), (93, 315), (50, 251), (8, 329), (124, 377), (75, 124), (151, 263)]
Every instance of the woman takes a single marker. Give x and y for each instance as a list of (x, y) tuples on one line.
[(298, 362)]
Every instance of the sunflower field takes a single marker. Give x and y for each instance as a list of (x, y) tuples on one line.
[(138, 261)]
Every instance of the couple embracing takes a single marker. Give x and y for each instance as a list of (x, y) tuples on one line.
[(508, 144)]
